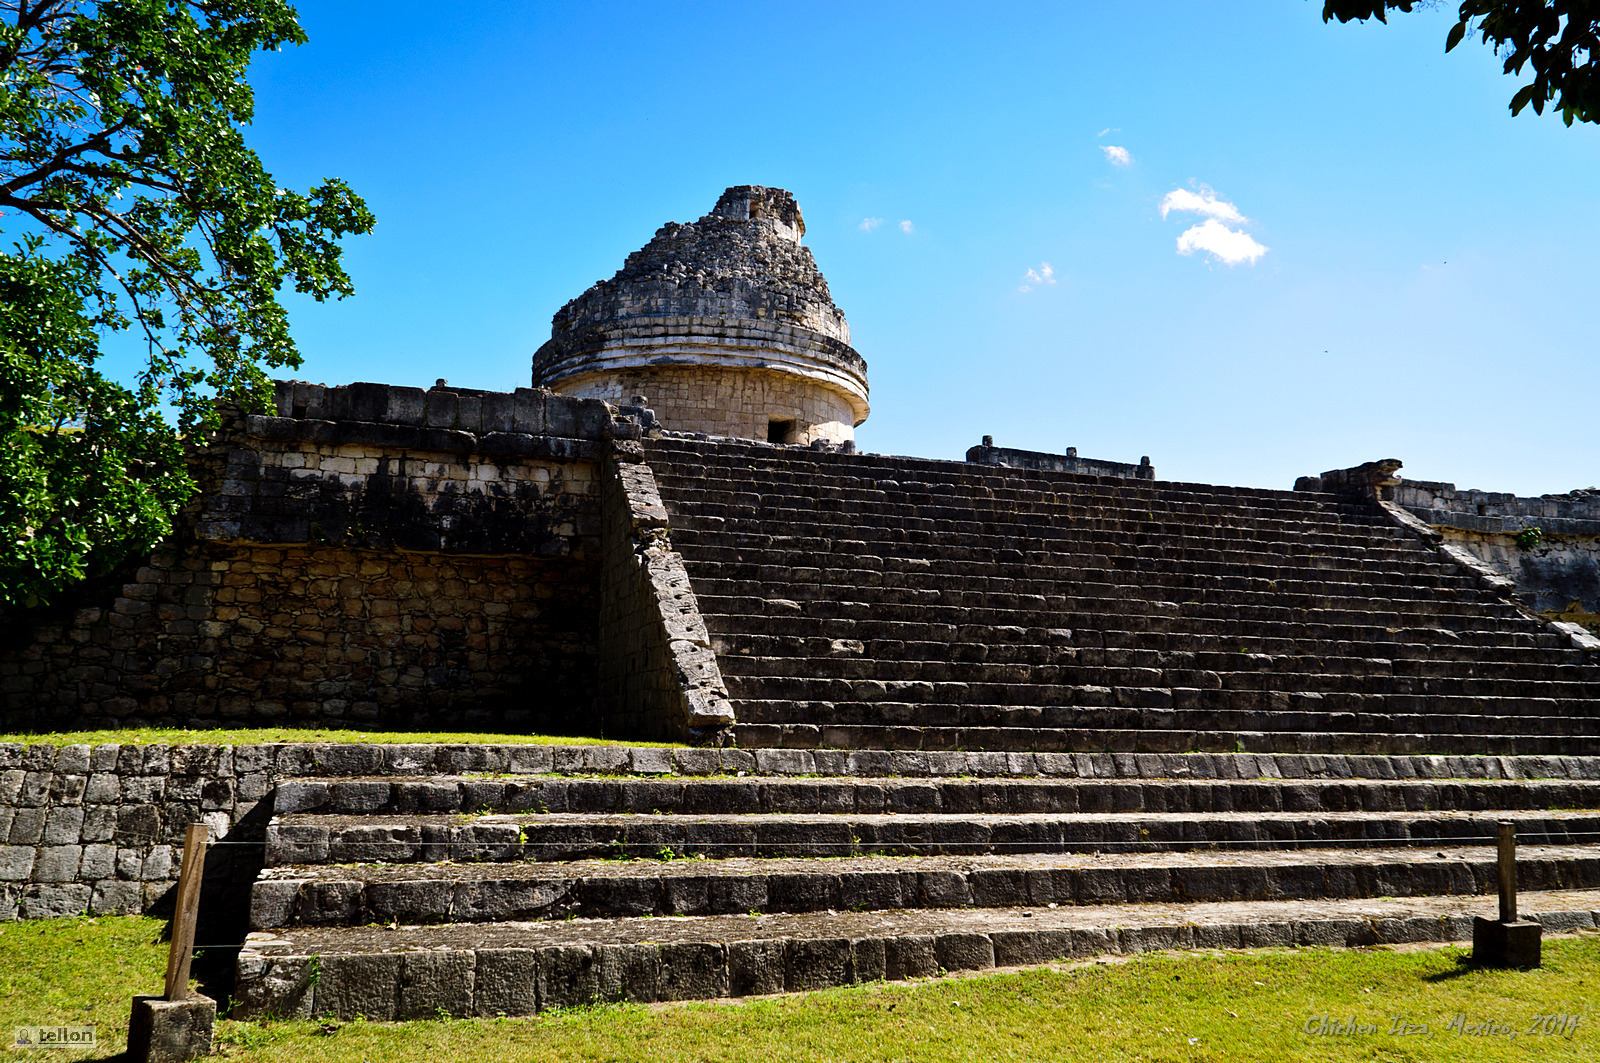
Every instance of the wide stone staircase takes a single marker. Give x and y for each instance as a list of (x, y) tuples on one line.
[(987, 718), (861, 601), (605, 874)]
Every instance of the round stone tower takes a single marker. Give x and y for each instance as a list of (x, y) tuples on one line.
[(725, 326)]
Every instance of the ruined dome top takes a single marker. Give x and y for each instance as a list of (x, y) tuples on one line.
[(742, 260), (738, 281)]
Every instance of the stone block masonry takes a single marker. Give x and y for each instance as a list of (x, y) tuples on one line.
[(1546, 550), (99, 829), (235, 635), (372, 556), (726, 325), (986, 453), (1558, 567), (738, 403), (658, 673)]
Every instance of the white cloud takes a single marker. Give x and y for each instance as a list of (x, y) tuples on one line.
[(1107, 129), (1117, 156), (1216, 239), (1041, 277), (906, 227), (1203, 202), (869, 224), (1221, 241)]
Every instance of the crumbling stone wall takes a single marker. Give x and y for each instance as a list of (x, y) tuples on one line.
[(374, 556), (725, 325), (986, 453), (1553, 569)]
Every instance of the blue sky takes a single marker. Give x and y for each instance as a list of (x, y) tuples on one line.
[(1427, 290)]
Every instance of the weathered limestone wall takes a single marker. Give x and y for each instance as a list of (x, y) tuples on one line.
[(379, 557), (1561, 567), (100, 829), (235, 634), (739, 403)]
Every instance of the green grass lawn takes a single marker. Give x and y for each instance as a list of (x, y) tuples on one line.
[(1253, 1006), (173, 736)]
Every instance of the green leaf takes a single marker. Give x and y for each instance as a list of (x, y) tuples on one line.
[(163, 222), (1453, 38)]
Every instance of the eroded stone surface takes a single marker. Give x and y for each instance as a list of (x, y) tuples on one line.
[(725, 325)]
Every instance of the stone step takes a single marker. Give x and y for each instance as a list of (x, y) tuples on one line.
[(954, 682), (518, 968), (302, 838), (1152, 740), (733, 462), (1072, 665), (399, 795), (1013, 558), (756, 550), (1091, 706), (1144, 648), (1013, 543), (354, 895), (1381, 633), (1046, 526), (1072, 574), (517, 760), (754, 481), (1156, 689), (1097, 597), (1042, 613), (1130, 715), (755, 485)]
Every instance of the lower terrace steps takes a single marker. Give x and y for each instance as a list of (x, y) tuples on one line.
[(871, 602), (678, 874)]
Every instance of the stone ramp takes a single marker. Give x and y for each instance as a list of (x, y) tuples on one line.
[(860, 601), (675, 874), (517, 968)]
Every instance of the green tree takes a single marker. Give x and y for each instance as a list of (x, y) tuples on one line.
[(137, 206), (1559, 39)]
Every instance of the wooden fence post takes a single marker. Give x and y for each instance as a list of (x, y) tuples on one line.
[(1507, 941), (177, 1025), (1508, 871), (188, 908)]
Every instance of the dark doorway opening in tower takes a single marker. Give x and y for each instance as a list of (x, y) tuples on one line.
[(780, 431)]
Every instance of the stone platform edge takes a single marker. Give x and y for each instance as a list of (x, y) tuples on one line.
[(276, 980), (268, 762)]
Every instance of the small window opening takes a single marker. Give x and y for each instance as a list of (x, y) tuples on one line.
[(780, 431)]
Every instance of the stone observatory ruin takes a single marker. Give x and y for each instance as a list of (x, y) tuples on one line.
[(925, 715), (725, 325)]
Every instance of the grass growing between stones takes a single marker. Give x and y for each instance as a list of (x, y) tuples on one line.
[(1178, 1007), (175, 736)]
